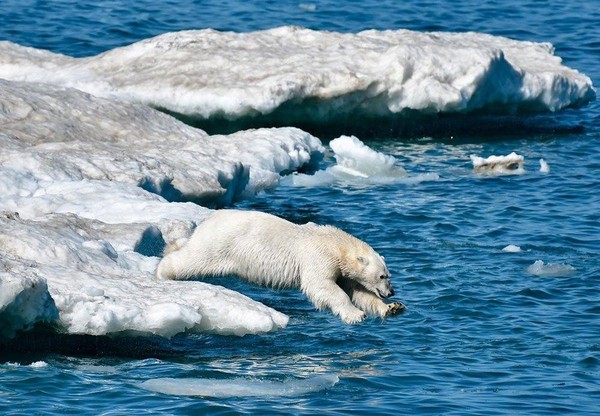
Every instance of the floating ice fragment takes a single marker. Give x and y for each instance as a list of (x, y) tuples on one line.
[(544, 167), (511, 164), (353, 157), (239, 387), (511, 248), (539, 268), (357, 163)]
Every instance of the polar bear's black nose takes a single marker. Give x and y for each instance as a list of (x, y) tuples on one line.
[(391, 292)]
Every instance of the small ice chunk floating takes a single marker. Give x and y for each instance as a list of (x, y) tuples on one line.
[(511, 164)]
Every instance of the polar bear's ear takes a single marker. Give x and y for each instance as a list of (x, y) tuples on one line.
[(362, 260)]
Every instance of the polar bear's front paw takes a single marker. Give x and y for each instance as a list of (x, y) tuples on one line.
[(395, 308), (353, 317)]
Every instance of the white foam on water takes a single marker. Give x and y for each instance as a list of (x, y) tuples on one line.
[(511, 164), (207, 73), (544, 167), (511, 248), (539, 268), (239, 387), (358, 164)]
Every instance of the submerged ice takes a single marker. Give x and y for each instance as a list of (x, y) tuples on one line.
[(85, 185), (539, 268), (239, 387), (302, 75)]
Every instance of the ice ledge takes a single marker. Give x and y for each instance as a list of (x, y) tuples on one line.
[(91, 288), (66, 134)]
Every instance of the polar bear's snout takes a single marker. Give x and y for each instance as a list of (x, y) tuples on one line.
[(386, 291)]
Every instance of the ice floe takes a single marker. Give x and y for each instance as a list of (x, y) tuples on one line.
[(89, 177), (511, 164), (300, 75), (544, 167), (358, 164), (239, 387)]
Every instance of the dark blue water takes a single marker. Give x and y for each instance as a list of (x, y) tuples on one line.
[(481, 334)]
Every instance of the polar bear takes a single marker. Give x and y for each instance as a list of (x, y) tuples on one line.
[(334, 269)]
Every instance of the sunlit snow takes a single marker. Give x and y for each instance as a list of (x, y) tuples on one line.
[(315, 75)]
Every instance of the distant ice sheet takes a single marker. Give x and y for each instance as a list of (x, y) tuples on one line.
[(358, 164), (307, 75), (239, 387)]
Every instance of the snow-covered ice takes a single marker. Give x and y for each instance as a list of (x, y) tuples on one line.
[(357, 159), (239, 387), (66, 134), (83, 183), (309, 75), (99, 290)]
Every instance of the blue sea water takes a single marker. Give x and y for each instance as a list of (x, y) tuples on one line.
[(481, 334)]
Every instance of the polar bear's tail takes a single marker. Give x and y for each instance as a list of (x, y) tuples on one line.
[(175, 245), (166, 266)]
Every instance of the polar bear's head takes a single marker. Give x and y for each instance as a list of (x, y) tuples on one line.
[(370, 271)]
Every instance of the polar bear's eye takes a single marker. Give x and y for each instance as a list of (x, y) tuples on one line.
[(383, 276)]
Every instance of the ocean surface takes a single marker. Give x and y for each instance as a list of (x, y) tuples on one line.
[(489, 330)]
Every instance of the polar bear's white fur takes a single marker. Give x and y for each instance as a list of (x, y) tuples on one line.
[(334, 269)]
